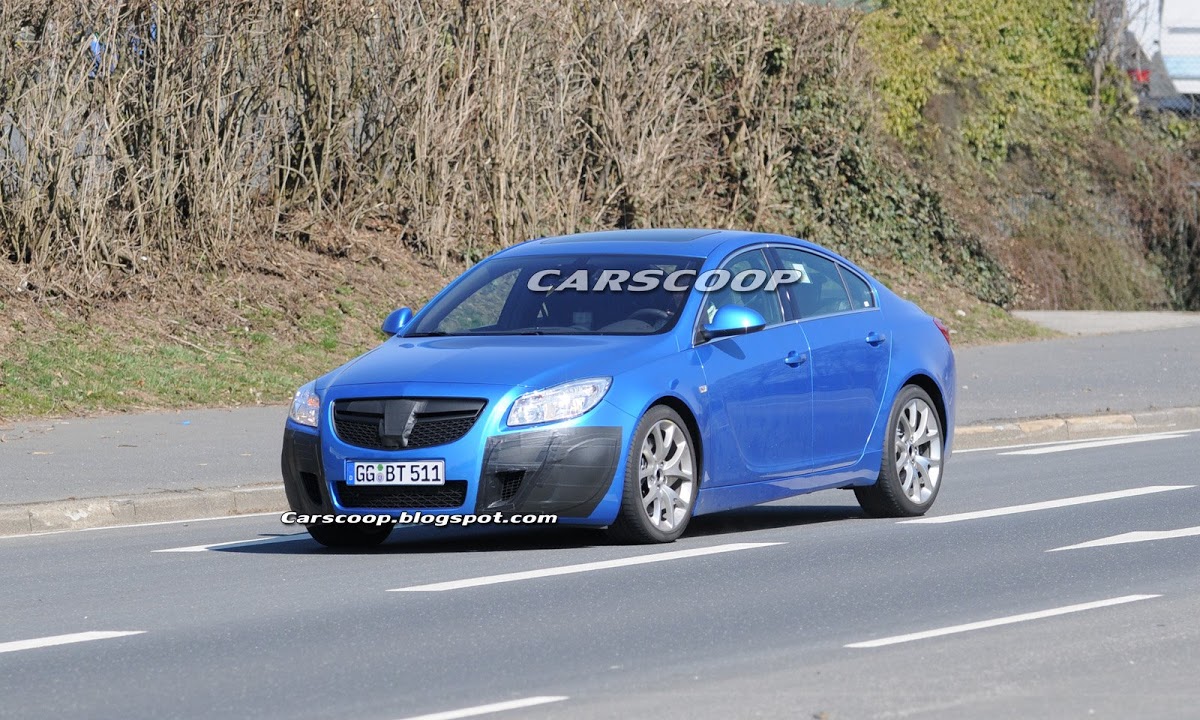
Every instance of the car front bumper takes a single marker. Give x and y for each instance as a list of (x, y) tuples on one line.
[(567, 471)]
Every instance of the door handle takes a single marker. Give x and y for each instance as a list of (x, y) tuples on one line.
[(794, 358), (875, 338)]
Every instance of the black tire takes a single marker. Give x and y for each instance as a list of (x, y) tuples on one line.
[(349, 536), (633, 523), (888, 497)]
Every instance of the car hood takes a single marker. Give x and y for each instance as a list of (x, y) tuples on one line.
[(533, 361)]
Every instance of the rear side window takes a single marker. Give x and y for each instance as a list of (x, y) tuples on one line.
[(860, 292), (820, 290)]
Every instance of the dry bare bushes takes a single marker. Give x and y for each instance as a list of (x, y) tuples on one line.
[(194, 134)]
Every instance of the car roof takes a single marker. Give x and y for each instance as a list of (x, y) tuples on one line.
[(670, 241)]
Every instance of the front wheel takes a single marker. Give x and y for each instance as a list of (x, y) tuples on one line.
[(349, 536), (660, 480), (911, 473)]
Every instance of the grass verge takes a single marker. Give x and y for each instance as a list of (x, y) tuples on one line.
[(252, 339)]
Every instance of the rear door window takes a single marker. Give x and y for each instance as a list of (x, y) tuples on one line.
[(820, 290)]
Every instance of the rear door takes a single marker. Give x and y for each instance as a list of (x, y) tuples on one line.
[(849, 349)]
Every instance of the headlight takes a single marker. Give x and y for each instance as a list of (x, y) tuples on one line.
[(305, 406), (561, 402)]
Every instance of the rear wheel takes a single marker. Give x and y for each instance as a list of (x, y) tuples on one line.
[(911, 473), (660, 480), (349, 536)]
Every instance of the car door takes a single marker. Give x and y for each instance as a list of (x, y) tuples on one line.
[(849, 353), (758, 387)]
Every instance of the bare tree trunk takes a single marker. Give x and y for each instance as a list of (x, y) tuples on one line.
[(1112, 20)]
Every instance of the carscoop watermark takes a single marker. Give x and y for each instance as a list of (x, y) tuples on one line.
[(651, 279), (291, 517)]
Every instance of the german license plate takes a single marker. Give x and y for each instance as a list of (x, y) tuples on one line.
[(422, 472)]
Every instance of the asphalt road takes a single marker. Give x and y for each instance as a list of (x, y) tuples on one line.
[(130, 454), (1126, 372), (1105, 322), (55, 459), (773, 625)]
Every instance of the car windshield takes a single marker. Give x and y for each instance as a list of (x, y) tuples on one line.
[(563, 295)]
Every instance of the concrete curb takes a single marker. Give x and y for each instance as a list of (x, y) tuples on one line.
[(80, 514), (1075, 428)]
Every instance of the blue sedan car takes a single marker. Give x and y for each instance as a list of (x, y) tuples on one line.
[(629, 380)]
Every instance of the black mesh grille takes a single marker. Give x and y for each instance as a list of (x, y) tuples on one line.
[(510, 483), (413, 422), (450, 495), (362, 434), (427, 433)]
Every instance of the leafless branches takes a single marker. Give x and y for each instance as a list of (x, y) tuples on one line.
[(152, 134)]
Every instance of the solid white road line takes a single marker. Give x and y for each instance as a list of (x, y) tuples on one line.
[(488, 709), (954, 629), (236, 543), (65, 639), (1084, 445), (1050, 443), (1134, 537), (582, 567), (1047, 505)]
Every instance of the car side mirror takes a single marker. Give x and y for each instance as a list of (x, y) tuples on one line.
[(396, 321), (733, 320)]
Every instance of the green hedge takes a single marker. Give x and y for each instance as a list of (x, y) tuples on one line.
[(1004, 71)]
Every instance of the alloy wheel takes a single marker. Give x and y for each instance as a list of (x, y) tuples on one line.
[(918, 450), (666, 475)]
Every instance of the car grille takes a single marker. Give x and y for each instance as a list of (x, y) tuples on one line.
[(451, 495), (404, 423)]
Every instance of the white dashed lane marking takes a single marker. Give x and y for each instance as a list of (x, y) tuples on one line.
[(1134, 537), (233, 544), (489, 709), (582, 567), (53, 640), (1010, 620), (1046, 505)]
